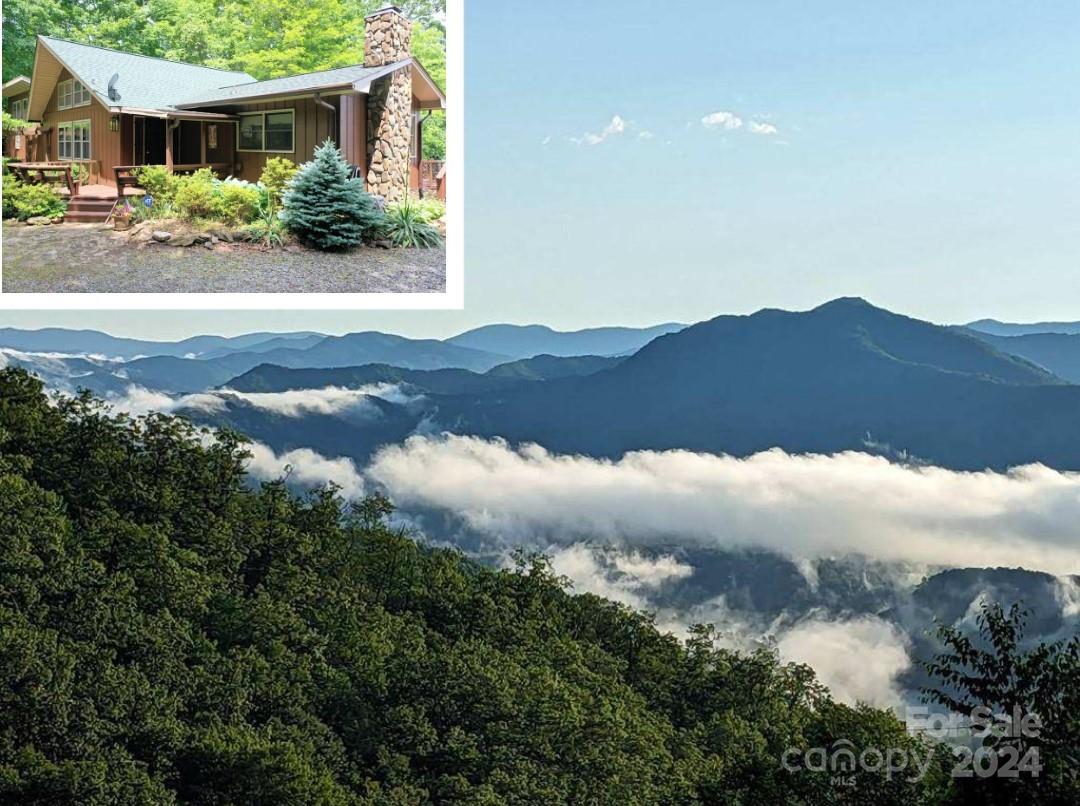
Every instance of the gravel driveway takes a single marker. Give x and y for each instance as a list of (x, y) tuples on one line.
[(88, 257)]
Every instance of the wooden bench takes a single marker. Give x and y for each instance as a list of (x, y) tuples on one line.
[(126, 178), (35, 173)]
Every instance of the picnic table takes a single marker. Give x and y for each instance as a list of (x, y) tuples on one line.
[(45, 173)]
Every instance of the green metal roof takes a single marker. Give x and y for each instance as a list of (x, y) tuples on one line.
[(144, 82)]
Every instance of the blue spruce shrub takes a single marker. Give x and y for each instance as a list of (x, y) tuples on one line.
[(326, 209)]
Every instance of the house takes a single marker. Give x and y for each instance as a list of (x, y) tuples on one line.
[(17, 94), (107, 109)]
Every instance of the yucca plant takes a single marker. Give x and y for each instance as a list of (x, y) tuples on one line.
[(406, 225)]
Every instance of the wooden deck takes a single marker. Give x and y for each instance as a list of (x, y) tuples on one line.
[(100, 192)]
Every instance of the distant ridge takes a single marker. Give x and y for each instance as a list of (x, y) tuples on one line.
[(527, 341), (996, 328)]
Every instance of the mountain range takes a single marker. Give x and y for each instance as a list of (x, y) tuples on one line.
[(843, 376)]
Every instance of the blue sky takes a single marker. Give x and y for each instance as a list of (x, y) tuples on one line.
[(925, 156)]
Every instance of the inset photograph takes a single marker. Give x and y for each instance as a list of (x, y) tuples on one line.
[(261, 153)]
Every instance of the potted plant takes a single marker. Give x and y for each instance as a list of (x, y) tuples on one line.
[(122, 217)]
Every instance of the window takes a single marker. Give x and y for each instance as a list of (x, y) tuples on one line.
[(251, 133), (72, 93), (19, 108), (266, 131), (279, 131), (73, 140)]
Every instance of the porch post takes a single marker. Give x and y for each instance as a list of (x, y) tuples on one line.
[(168, 145), (202, 140)]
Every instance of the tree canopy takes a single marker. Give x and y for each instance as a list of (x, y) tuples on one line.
[(173, 633), (266, 38)]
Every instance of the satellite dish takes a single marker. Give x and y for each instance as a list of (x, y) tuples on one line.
[(113, 94)]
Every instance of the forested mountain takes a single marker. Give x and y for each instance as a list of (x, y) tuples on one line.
[(172, 634), (526, 341), (845, 375), (1057, 352)]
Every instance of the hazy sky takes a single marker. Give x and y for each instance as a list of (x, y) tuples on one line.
[(641, 161)]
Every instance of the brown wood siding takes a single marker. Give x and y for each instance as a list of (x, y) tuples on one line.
[(312, 124), (9, 139), (354, 130), (106, 147), (226, 144)]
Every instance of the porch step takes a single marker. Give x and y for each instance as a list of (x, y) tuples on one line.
[(89, 210)]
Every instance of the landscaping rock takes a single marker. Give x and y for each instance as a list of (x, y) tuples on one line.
[(382, 243), (208, 244), (214, 240), (186, 239), (58, 219), (161, 236), (38, 220)]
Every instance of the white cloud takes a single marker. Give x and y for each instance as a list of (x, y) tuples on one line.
[(616, 126), (858, 659), (622, 576), (761, 128), (645, 134), (331, 400), (546, 140), (722, 120), (308, 469), (806, 506), (138, 400)]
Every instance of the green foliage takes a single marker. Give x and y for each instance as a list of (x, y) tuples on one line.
[(275, 176), (27, 201), (430, 208), (12, 125), (268, 228), (325, 208), (236, 202), (195, 195), (173, 633), (992, 672), (406, 224), (428, 46), (158, 181), (267, 38), (10, 183)]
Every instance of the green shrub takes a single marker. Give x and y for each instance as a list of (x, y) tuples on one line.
[(158, 182), (10, 183), (325, 208), (405, 225), (195, 195), (268, 229), (236, 203), (28, 201), (431, 209), (276, 175)]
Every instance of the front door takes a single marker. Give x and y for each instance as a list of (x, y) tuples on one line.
[(149, 141)]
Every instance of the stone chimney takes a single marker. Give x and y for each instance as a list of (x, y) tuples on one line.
[(387, 33)]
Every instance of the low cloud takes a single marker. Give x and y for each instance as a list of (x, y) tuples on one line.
[(138, 401), (800, 506), (627, 577), (722, 120), (860, 659), (329, 401), (307, 469), (826, 644), (761, 128)]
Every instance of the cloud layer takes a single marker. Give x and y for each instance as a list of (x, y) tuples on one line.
[(805, 506)]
